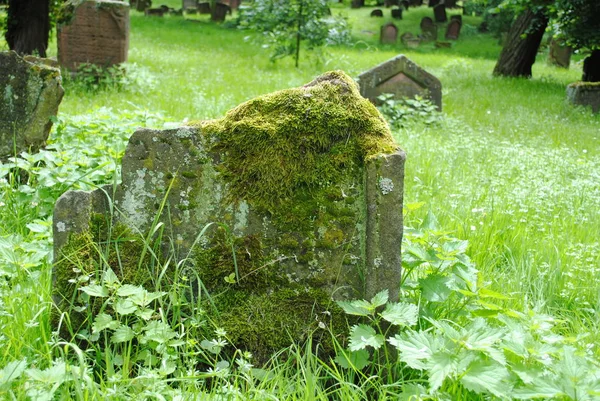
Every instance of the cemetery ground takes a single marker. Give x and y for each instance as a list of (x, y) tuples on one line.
[(508, 166)]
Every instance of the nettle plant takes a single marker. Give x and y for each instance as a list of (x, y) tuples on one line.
[(449, 337), (403, 112)]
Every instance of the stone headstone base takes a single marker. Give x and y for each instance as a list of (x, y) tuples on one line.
[(585, 94)]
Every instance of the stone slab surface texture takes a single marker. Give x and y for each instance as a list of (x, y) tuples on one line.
[(401, 77), (328, 214), (389, 33), (585, 94), (453, 29), (98, 33), (31, 92)]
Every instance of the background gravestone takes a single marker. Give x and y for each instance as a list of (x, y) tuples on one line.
[(402, 78), (433, 3), (30, 93), (377, 13), (187, 4), (396, 13), (457, 17), (98, 33), (389, 33), (204, 8), (559, 55), (357, 3), (309, 182), (428, 29), (450, 3), (584, 94), (439, 13), (389, 3), (416, 3), (453, 29)]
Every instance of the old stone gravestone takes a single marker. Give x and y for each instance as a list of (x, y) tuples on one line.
[(409, 40), (405, 4), (389, 33), (377, 13), (433, 3), (439, 13), (204, 8), (187, 4), (357, 3), (453, 29), (309, 183), (416, 3), (396, 13), (30, 93), (219, 12), (558, 54), (450, 3), (428, 29), (402, 78), (390, 3), (98, 33), (457, 17), (585, 94)]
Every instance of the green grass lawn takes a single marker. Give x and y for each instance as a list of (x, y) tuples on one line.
[(510, 166)]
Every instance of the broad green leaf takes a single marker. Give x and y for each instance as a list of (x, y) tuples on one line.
[(430, 222), (12, 371), (486, 293), (211, 346), (144, 313), (456, 246), (95, 290), (362, 336), (357, 308), (542, 388), (128, 290), (125, 306), (482, 377), (434, 288), (353, 359), (440, 366), (144, 298), (103, 321), (109, 277), (415, 347), (159, 332), (53, 375), (401, 314), (379, 299), (413, 392), (122, 334)]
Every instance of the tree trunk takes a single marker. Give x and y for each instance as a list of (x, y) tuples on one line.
[(522, 43), (28, 26), (591, 67)]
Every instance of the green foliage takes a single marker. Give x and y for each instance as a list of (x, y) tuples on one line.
[(401, 113), (93, 78), (577, 22), (286, 24)]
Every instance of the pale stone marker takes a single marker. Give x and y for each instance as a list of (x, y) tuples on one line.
[(401, 77), (309, 182), (559, 55), (98, 33), (30, 93), (389, 33)]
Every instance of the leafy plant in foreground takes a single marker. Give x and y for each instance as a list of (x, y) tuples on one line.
[(403, 112)]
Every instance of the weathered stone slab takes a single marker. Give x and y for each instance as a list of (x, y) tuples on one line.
[(389, 33), (98, 33), (30, 93), (559, 55), (428, 29), (439, 13), (453, 29), (401, 77), (309, 182), (585, 94)]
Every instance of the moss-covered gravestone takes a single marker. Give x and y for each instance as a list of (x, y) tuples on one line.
[(309, 183), (30, 93)]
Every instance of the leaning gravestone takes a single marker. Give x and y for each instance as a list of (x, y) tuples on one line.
[(439, 13), (389, 33), (559, 55), (30, 93), (98, 33), (453, 29), (402, 78), (309, 182), (428, 29)]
